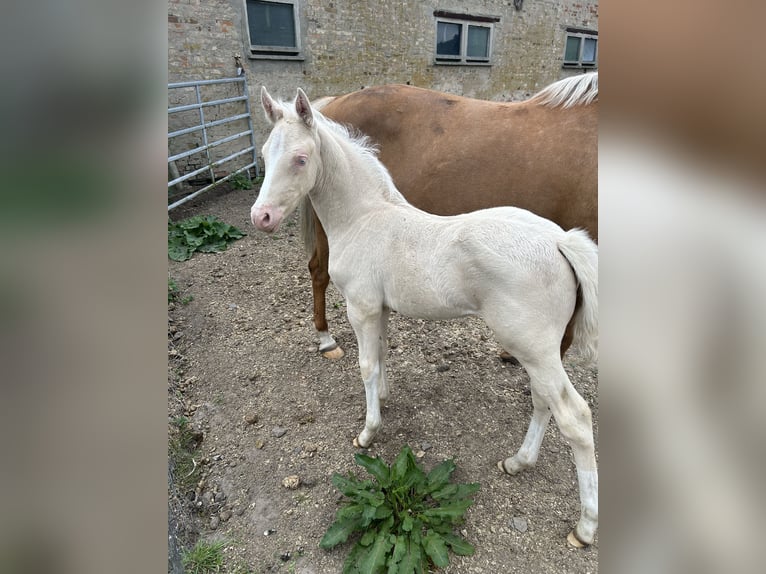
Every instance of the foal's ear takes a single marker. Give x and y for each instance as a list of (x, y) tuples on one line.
[(303, 107), (272, 109)]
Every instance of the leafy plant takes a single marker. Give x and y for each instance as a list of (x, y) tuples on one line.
[(204, 233), (406, 516), (204, 558), (172, 289), (241, 181)]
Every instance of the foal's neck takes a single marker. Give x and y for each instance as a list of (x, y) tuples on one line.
[(353, 184)]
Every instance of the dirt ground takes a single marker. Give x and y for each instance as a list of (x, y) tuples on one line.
[(245, 371)]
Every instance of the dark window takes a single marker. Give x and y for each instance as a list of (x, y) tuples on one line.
[(273, 28), (463, 40), (581, 49)]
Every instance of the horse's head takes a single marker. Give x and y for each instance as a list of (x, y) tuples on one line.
[(291, 160)]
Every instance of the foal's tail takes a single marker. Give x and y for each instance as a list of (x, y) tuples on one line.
[(308, 227), (582, 253)]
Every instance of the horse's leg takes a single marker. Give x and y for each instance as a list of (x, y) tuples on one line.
[(573, 417), (383, 388), (527, 455), (366, 326), (320, 279)]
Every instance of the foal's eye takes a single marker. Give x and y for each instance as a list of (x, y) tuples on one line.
[(300, 160)]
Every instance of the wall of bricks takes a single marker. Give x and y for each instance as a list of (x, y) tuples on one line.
[(350, 44)]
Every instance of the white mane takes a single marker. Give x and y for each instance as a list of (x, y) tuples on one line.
[(569, 92), (360, 145)]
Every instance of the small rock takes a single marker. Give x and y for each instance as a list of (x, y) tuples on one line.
[(207, 498), (278, 432), (442, 367), (269, 532), (285, 557), (214, 522), (225, 515), (259, 444), (251, 419), (292, 482), (420, 454), (519, 523), (425, 445), (252, 377)]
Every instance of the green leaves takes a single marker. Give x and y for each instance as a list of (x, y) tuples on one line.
[(404, 516), (204, 233)]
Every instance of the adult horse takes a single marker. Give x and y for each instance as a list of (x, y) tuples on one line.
[(519, 272), (449, 154)]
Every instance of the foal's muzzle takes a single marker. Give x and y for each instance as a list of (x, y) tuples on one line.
[(266, 218)]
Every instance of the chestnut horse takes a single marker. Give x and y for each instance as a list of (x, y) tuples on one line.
[(449, 154)]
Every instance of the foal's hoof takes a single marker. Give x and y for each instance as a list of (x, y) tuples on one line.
[(334, 354), (574, 541), (506, 357), (357, 445)]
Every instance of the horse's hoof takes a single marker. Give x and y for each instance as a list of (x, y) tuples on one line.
[(506, 357), (334, 354), (574, 541), (504, 469), (357, 444)]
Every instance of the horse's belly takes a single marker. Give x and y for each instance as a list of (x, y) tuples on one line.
[(425, 302)]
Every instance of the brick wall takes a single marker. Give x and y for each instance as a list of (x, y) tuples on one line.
[(349, 44)]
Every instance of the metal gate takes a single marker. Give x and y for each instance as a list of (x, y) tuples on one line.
[(207, 141)]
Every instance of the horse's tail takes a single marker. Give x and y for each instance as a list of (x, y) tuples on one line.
[(308, 227), (582, 253)]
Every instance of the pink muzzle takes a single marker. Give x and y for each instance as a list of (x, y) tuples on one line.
[(266, 218)]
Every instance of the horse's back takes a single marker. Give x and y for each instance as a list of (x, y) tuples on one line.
[(449, 154)]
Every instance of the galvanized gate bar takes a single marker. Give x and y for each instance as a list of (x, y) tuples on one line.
[(188, 107), (203, 126), (212, 144), (208, 125)]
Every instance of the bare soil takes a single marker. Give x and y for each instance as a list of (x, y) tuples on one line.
[(245, 371)]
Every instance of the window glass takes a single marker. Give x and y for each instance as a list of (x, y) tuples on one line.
[(589, 50), (572, 53), (448, 39), (478, 42), (271, 24)]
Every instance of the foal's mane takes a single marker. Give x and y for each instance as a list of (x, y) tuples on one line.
[(569, 92), (353, 142)]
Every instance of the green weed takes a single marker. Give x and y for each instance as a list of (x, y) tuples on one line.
[(405, 516)]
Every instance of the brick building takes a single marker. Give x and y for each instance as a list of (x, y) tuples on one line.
[(489, 49)]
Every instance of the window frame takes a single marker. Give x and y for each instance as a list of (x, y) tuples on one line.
[(583, 35), (465, 21), (267, 52)]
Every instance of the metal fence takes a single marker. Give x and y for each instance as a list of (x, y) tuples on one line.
[(206, 138)]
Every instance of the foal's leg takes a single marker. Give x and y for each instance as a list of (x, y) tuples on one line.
[(383, 388), (527, 455), (573, 417), (320, 279), (366, 325)]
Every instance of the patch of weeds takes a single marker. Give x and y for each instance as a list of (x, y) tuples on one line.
[(203, 233), (241, 181), (204, 558), (405, 517), (174, 293), (172, 289), (182, 444)]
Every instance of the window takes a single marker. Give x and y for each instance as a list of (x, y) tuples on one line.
[(581, 50), (463, 38), (273, 29)]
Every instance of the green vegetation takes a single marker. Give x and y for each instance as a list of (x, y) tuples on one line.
[(204, 233), (405, 516), (204, 558)]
